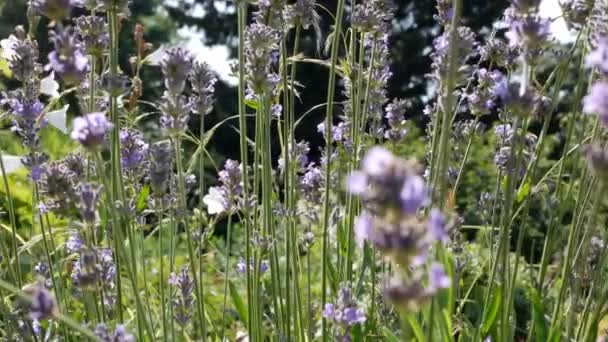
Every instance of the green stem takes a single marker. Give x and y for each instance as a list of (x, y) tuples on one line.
[(448, 100), (227, 271), (161, 273), (328, 123), (182, 206)]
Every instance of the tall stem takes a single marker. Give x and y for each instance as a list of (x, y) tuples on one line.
[(182, 209), (242, 19), (227, 271), (328, 123), (115, 146)]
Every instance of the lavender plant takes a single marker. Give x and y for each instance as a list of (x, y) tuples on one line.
[(492, 229)]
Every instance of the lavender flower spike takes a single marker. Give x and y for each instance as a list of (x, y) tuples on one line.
[(53, 9), (597, 101), (42, 305), (91, 130), (68, 60), (176, 65)]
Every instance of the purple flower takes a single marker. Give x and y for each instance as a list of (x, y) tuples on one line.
[(53, 9), (328, 311), (363, 228), (303, 13), (352, 316), (175, 110), (597, 101), (91, 130), (225, 198), (203, 82), (133, 149), (598, 58), (437, 226), (23, 61), (377, 161), (338, 132), (395, 115), (89, 195), (357, 182), (93, 31), (161, 166), (184, 300), (260, 43), (528, 32), (414, 194), (597, 159), (345, 313), (176, 66), (74, 243), (241, 266), (504, 133), (438, 279), (67, 60), (42, 305), (310, 184), (120, 334)]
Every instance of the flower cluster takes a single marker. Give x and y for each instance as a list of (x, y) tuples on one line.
[(41, 305), (120, 334), (95, 267), (91, 130), (527, 30), (225, 199), (596, 102), (175, 107), (261, 42), (133, 150), (58, 183), (68, 59), (183, 301), (392, 193), (203, 82), (345, 313), (160, 168), (395, 115), (93, 32)]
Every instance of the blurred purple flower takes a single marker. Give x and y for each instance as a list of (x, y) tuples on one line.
[(597, 101), (42, 305), (91, 130), (437, 226), (176, 66), (67, 59), (414, 194), (438, 279)]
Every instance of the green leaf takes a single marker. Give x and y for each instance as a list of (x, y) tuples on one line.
[(538, 312), (238, 303), (416, 328), (4, 68), (493, 314), (142, 198), (253, 104), (523, 192), (389, 335)]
